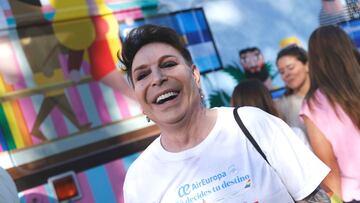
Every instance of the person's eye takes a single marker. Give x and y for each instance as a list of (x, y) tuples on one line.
[(291, 68), (141, 75), (168, 64)]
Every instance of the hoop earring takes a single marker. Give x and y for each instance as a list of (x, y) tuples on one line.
[(147, 119)]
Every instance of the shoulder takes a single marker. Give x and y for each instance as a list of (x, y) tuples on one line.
[(141, 163), (249, 115), (250, 112), (316, 102), (264, 127), (137, 176), (255, 117)]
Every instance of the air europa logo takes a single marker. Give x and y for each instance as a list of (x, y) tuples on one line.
[(187, 188), (184, 190)]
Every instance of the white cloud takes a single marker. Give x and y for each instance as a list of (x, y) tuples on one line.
[(223, 12)]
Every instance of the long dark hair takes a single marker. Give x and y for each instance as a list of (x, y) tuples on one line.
[(334, 68), (252, 92)]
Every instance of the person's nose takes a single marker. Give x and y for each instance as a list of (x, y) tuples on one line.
[(286, 74), (158, 77)]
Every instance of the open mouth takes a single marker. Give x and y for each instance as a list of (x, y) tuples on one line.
[(166, 97)]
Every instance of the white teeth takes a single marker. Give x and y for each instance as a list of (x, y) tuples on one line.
[(165, 96)]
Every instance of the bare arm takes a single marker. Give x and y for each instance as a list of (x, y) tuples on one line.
[(116, 80), (323, 149)]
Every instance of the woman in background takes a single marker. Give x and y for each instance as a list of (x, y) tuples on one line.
[(292, 63), (331, 112), (252, 92)]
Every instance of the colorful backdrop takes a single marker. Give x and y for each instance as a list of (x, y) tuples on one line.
[(46, 45)]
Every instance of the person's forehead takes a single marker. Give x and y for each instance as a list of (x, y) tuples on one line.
[(156, 48), (287, 61), (150, 53)]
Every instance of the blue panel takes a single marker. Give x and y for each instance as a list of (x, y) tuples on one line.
[(198, 36), (193, 37), (100, 185), (206, 35), (208, 63), (357, 41), (355, 23), (201, 20), (163, 20), (187, 22)]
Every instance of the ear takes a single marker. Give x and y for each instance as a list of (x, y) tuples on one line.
[(196, 74)]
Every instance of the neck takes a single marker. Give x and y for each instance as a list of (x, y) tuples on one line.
[(188, 132), (304, 88)]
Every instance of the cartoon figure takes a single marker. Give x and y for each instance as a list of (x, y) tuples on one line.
[(42, 50), (95, 33), (252, 60)]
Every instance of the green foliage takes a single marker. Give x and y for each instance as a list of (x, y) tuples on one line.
[(235, 72), (219, 98), (269, 69)]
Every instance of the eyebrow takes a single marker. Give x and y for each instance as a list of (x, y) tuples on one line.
[(143, 66)]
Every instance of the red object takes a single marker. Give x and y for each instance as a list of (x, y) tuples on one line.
[(100, 55), (65, 188)]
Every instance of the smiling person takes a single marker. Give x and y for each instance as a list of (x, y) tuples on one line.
[(203, 155), (292, 63)]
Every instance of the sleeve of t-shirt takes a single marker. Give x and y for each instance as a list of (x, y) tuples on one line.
[(296, 165)]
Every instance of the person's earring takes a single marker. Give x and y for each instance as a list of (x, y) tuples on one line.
[(147, 119), (202, 97)]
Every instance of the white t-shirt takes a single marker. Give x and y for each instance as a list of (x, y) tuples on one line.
[(225, 167)]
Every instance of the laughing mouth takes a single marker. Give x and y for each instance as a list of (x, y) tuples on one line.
[(166, 97)]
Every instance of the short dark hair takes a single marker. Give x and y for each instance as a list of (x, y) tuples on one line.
[(249, 49), (146, 34), (295, 51)]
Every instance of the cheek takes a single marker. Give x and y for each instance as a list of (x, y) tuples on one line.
[(139, 92), (300, 73)]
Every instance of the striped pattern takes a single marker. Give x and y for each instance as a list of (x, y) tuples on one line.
[(91, 103), (100, 184)]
